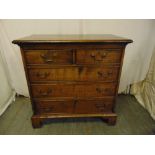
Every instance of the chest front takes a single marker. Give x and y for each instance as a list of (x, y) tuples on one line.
[(73, 79)]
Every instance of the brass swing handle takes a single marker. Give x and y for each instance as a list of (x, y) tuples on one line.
[(100, 106), (49, 109), (48, 57), (99, 56), (42, 93), (42, 75), (103, 90), (103, 74), (45, 58)]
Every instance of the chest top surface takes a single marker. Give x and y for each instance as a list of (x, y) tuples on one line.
[(73, 38)]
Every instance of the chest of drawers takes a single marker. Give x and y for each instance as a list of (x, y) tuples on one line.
[(72, 75)]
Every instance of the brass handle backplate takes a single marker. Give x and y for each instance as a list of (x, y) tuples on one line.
[(45, 93), (49, 109), (45, 58), (49, 56), (42, 75), (102, 74), (98, 56), (103, 90), (100, 106)]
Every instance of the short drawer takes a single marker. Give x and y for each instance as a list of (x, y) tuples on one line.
[(98, 56), (94, 106), (57, 107), (73, 74), (73, 90), (48, 56)]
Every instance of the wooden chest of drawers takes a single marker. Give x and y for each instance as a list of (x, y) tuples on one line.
[(72, 75)]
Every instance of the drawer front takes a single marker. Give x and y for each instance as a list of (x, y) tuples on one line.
[(73, 90), (94, 106), (49, 56), (57, 107), (98, 56), (74, 74)]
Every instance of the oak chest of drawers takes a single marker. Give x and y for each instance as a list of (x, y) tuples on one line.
[(72, 75)]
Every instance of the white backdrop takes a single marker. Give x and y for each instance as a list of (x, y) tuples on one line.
[(6, 92), (137, 56)]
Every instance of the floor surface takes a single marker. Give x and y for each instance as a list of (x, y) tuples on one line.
[(132, 119)]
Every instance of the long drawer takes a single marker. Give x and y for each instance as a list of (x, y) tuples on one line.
[(73, 90), (74, 106), (73, 74)]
